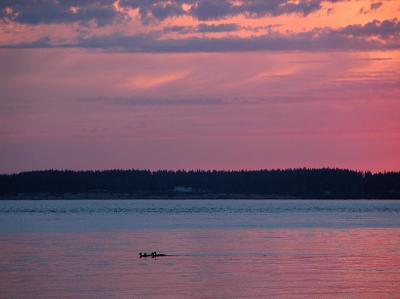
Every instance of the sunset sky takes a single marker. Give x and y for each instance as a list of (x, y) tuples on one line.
[(199, 84)]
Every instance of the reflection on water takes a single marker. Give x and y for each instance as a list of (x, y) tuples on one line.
[(217, 261), (115, 215), (206, 264)]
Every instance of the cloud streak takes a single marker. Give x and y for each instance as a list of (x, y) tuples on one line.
[(151, 102), (375, 35), (203, 28)]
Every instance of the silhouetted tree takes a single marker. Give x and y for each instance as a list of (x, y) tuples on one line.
[(302, 182)]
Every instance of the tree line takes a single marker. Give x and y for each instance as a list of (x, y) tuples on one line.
[(299, 183)]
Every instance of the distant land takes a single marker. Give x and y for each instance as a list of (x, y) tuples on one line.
[(301, 183)]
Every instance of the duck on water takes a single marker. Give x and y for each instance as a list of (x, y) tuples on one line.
[(153, 254)]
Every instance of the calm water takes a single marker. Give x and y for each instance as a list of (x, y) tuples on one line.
[(220, 249)]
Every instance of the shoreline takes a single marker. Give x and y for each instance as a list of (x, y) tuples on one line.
[(169, 196)]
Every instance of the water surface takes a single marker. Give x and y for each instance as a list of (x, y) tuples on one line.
[(219, 249)]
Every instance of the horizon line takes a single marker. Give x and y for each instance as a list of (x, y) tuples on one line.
[(199, 170)]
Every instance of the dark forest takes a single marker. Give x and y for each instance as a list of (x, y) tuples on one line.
[(322, 183)]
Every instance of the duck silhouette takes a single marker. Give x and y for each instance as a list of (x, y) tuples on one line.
[(152, 254)]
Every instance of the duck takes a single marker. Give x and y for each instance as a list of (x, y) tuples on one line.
[(152, 254)]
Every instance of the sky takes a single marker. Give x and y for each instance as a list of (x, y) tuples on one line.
[(199, 84)]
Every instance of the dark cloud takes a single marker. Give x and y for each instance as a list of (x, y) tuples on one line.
[(257, 8), (375, 6), (180, 29), (353, 37), (164, 11), (203, 28), (210, 9), (218, 28), (383, 29), (372, 7), (218, 9), (102, 12), (66, 11)]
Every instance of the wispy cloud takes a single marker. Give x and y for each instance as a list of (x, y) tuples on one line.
[(152, 80), (203, 28), (151, 101)]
